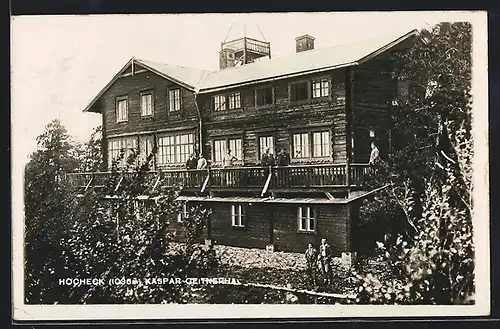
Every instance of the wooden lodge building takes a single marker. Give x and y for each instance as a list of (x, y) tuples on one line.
[(324, 106)]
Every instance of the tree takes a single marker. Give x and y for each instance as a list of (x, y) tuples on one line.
[(122, 234), (45, 206), (431, 175), (91, 152)]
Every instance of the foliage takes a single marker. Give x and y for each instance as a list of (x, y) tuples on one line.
[(45, 206), (430, 176), (91, 152), (116, 234)]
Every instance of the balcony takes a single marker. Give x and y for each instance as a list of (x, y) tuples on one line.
[(248, 44), (265, 179)]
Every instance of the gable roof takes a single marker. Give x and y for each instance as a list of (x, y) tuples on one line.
[(311, 61), (186, 77)]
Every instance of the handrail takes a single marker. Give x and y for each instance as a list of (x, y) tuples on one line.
[(293, 176)]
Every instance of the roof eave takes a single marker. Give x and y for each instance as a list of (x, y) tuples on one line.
[(387, 46), (94, 100), (274, 78), (113, 80)]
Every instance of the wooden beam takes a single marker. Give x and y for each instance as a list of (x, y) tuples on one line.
[(205, 183), (268, 181), (90, 182)]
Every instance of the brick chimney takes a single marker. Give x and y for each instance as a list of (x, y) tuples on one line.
[(226, 58), (303, 43)]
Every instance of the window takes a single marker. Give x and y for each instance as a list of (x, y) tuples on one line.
[(175, 149), (219, 150), (122, 109), (219, 103), (340, 100), (306, 220), (145, 147), (147, 104), (266, 142), (298, 91), (234, 101), (320, 88), (222, 145), (115, 147), (183, 214), (174, 97), (264, 96), (235, 147), (321, 144), (301, 145), (237, 215)]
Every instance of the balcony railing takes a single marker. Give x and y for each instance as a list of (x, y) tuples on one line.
[(247, 43), (306, 176)]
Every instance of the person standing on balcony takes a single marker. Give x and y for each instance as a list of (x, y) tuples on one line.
[(283, 158), (227, 162), (267, 161), (191, 162), (374, 155), (325, 257), (228, 159), (202, 162)]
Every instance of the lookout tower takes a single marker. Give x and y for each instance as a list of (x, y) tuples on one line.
[(243, 50)]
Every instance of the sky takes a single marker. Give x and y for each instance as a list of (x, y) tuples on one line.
[(59, 63)]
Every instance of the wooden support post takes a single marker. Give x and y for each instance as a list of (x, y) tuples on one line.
[(90, 182), (156, 184), (118, 185), (268, 181), (348, 174), (206, 182)]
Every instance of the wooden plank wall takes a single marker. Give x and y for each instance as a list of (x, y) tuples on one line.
[(374, 90), (332, 224), (280, 119), (162, 119)]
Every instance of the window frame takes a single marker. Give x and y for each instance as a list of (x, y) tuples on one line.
[(219, 96), (122, 142), (174, 148), (320, 80), (170, 98), (226, 140), (259, 148), (310, 133), (119, 99), (241, 215), (149, 92), (273, 97), (308, 91), (311, 216), (229, 98)]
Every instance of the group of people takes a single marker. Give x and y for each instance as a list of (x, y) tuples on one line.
[(282, 159), (196, 162), (319, 261), (269, 160)]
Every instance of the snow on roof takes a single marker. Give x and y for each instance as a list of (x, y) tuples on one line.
[(315, 59), (189, 76)]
